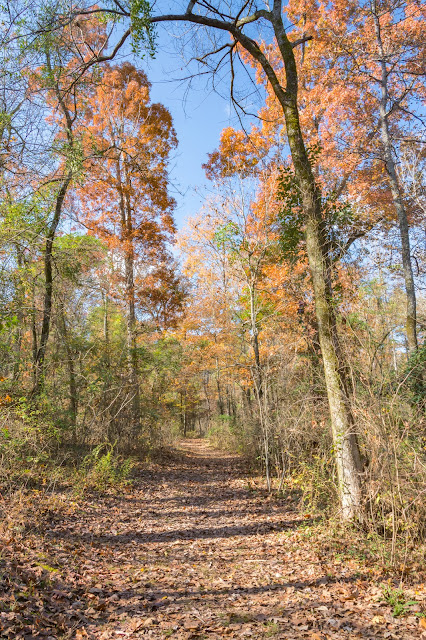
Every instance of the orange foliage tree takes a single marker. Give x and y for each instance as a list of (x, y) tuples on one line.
[(244, 301), (357, 75), (125, 197), (360, 94)]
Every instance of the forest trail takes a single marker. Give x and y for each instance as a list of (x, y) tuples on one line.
[(189, 552)]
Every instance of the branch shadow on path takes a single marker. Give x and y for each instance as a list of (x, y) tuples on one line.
[(193, 533)]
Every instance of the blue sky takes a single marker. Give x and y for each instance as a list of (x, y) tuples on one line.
[(199, 115)]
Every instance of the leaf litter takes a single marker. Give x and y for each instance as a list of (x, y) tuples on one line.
[(189, 552)]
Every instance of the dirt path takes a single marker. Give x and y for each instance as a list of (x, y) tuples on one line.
[(190, 552)]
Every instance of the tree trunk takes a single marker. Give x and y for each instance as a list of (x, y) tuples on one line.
[(206, 393), (34, 346), (184, 414), (106, 331), (127, 238), (410, 292), (131, 339), (255, 343), (344, 439), (40, 354), (19, 317), (220, 403), (106, 394)]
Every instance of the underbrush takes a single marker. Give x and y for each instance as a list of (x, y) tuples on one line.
[(227, 434), (28, 445), (103, 468), (36, 455), (294, 446), (222, 435), (42, 476), (365, 551)]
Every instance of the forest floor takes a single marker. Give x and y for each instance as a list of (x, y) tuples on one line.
[(190, 551)]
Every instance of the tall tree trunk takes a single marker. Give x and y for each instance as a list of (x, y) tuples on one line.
[(19, 318), (410, 292), (247, 404), (127, 237), (106, 332), (131, 338), (183, 413), (219, 390), (255, 342), (258, 382), (107, 374), (206, 393), (344, 439), (34, 346)]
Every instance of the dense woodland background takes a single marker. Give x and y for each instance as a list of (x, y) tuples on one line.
[(260, 319)]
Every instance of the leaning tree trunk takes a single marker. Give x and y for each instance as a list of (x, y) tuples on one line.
[(344, 439), (345, 443)]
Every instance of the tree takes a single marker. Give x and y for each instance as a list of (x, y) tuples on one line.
[(345, 443), (125, 195), (378, 53), (236, 26)]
